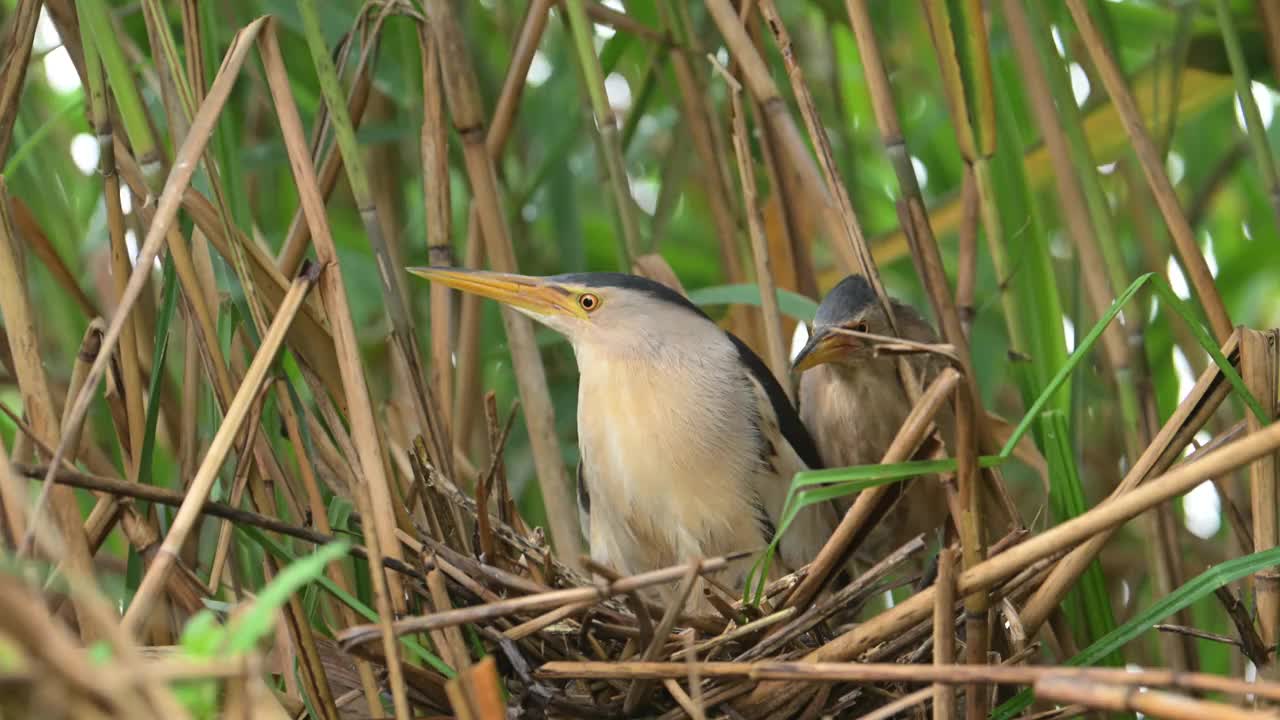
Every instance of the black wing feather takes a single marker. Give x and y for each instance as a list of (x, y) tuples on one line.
[(788, 419)]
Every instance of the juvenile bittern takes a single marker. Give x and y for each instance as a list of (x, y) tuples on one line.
[(852, 401), (688, 443)]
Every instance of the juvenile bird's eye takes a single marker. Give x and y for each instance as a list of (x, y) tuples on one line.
[(588, 302), (859, 327)]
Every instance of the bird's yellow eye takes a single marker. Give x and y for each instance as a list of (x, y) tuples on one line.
[(588, 302)]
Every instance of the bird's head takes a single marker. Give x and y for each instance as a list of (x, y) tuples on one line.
[(851, 305), (612, 310)]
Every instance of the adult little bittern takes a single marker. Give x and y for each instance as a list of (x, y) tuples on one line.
[(853, 402), (688, 443)]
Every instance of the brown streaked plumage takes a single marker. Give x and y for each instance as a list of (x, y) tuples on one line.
[(853, 402)]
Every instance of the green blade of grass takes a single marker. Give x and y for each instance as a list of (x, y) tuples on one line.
[(169, 291), (280, 553), (1195, 589)]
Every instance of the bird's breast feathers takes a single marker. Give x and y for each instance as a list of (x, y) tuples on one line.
[(672, 458)]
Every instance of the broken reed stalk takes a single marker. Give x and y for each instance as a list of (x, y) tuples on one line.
[(539, 601), (388, 591), (1100, 520), (1184, 239), (970, 414), (120, 267), (463, 97), (148, 590), (1258, 368)]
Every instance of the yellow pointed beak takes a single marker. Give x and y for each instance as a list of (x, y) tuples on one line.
[(528, 294), (823, 347)]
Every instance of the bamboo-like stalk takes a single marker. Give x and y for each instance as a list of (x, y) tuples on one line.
[(697, 122), (22, 32), (467, 402), (120, 267), (1099, 290), (439, 214), (297, 239), (389, 272), (1185, 421), (607, 127), (145, 598), (19, 321), (944, 637), (1151, 703), (382, 540), (1258, 368), (462, 95), (1193, 262), (315, 503), (1254, 128), (775, 349)]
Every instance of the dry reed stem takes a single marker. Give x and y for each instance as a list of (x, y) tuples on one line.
[(857, 255), (22, 32), (951, 674), (166, 211), (1205, 396), (453, 650), (857, 522), (298, 237), (1180, 230), (467, 350), (910, 700), (972, 429), (367, 449), (37, 401), (1258, 368), (944, 637), (1101, 519), (775, 350), (698, 122), (539, 601), (476, 694), (1151, 703), (35, 238), (462, 94), (757, 78), (439, 216), (148, 590), (380, 509)]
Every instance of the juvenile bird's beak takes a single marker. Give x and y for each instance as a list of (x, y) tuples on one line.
[(531, 295), (824, 346)]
